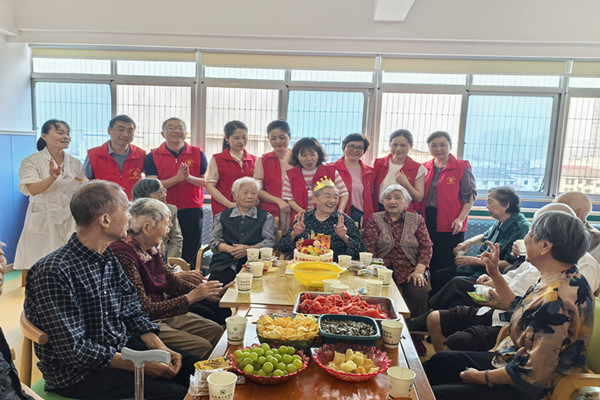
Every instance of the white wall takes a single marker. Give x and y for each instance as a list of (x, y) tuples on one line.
[(15, 87), (454, 27)]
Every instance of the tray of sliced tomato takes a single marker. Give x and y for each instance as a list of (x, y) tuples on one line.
[(316, 303)]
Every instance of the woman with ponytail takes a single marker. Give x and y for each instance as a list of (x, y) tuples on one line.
[(226, 167), (49, 177)]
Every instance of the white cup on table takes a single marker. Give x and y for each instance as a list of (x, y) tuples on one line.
[(365, 257), (266, 252), (244, 281), (374, 287), (385, 275), (344, 260), (339, 288), (252, 254), (391, 332), (400, 382), (236, 329), (328, 283), (221, 385), (256, 267)]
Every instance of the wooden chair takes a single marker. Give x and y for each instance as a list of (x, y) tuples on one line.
[(32, 334), (199, 256), (179, 261)]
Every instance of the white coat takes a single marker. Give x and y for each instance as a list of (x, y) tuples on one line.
[(48, 222)]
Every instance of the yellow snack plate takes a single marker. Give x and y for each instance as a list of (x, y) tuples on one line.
[(215, 363), (313, 273)]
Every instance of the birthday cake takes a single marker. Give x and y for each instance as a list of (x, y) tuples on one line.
[(314, 248)]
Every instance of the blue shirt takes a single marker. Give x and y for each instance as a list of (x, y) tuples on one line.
[(119, 159), (88, 307)]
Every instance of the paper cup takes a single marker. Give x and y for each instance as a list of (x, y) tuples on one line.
[(385, 275), (244, 282), (256, 268), (252, 254), (374, 287), (391, 331), (236, 329), (344, 261), (266, 252), (521, 245), (400, 382), (365, 257), (328, 283), (221, 385), (461, 253), (339, 288)]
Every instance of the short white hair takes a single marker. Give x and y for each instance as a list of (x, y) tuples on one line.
[(235, 188), (391, 188), (317, 192), (145, 209)]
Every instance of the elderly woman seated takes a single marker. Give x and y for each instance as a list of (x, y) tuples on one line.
[(345, 237), (237, 229), (400, 237), (167, 298), (550, 326)]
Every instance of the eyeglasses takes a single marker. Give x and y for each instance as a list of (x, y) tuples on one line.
[(175, 128), (352, 147), (161, 191)]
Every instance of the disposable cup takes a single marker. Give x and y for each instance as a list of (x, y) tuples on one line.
[(344, 261), (391, 331), (221, 385), (252, 254), (244, 281), (374, 287), (385, 275), (400, 382), (327, 283), (236, 329), (461, 253), (365, 257), (339, 288), (256, 267), (266, 252), (521, 245)]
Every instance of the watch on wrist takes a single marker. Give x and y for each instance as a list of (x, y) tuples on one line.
[(489, 383)]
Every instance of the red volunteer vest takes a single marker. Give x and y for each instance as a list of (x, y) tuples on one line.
[(382, 166), (229, 171), (368, 177), (272, 183), (106, 168), (183, 194), (298, 184), (448, 190)]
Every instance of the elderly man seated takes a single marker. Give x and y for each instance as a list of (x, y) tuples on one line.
[(237, 229), (582, 206), (476, 328), (80, 296), (345, 237)]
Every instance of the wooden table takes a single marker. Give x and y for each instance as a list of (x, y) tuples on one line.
[(314, 383), (279, 289)]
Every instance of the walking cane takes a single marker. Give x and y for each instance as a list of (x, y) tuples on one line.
[(138, 358)]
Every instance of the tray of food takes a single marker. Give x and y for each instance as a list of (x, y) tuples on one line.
[(317, 303)]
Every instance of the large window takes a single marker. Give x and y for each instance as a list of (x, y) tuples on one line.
[(581, 159), (506, 140), (254, 107), (421, 114), (327, 116), (86, 107)]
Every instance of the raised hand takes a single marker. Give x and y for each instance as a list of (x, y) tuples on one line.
[(54, 170), (402, 179), (491, 259), (340, 228), (299, 226)]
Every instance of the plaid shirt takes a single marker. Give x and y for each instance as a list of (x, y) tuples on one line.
[(88, 307)]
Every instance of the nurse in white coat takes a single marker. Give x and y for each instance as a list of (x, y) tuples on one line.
[(49, 177)]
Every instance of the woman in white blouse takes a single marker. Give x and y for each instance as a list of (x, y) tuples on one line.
[(49, 177)]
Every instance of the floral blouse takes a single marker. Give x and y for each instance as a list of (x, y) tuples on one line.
[(550, 330)]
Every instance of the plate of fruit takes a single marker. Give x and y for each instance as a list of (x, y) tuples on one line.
[(268, 366)]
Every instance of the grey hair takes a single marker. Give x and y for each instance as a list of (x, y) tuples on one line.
[(145, 187), (567, 234), (164, 124), (235, 188), (94, 199), (143, 209), (391, 188), (317, 192)]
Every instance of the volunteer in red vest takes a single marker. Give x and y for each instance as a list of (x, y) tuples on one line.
[(449, 195), (226, 167), (357, 176), (397, 168), (270, 170), (307, 159), (180, 168), (117, 160)]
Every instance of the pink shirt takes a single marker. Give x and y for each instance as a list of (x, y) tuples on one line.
[(357, 200)]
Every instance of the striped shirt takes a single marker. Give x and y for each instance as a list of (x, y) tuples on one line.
[(88, 307), (308, 177)]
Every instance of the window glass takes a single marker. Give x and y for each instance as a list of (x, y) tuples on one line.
[(244, 73), (71, 66), (516, 80), (585, 83), (424, 79), (331, 76), (506, 140), (327, 116), (157, 68)]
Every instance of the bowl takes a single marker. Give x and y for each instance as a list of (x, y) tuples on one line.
[(323, 355), (298, 344), (268, 380), (312, 274), (328, 338)]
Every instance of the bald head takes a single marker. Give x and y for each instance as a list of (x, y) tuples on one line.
[(555, 207), (578, 201)]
